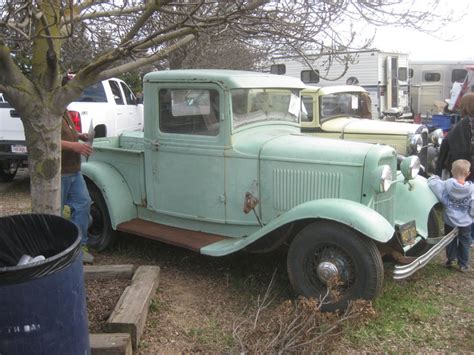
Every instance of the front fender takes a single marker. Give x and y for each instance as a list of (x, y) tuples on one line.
[(115, 191), (414, 201), (355, 215)]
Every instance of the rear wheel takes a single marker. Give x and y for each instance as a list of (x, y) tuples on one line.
[(333, 261), (100, 232), (8, 171)]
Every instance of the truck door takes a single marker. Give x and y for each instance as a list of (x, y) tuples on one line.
[(184, 152)]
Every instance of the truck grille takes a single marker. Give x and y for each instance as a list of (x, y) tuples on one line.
[(293, 187), (384, 204)]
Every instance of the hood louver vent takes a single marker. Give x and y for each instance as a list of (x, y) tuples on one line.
[(293, 187)]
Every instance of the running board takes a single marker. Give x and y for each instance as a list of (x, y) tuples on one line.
[(175, 236)]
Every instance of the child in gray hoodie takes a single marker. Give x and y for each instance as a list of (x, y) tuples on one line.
[(455, 194)]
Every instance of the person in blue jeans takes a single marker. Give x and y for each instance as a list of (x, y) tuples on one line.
[(74, 191), (455, 194)]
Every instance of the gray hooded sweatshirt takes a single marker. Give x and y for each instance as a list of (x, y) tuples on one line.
[(456, 199)]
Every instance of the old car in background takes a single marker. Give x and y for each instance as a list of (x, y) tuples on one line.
[(337, 112)]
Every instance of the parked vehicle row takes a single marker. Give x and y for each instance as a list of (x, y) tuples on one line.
[(399, 88), (222, 166)]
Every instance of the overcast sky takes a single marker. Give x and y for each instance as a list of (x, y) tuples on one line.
[(422, 46)]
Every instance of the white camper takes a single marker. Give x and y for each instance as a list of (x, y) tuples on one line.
[(384, 75), (432, 82)]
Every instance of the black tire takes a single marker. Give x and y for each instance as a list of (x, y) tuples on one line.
[(353, 259), (100, 232), (7, 175)]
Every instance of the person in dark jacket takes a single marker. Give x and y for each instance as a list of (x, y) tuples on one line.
[(459, 144)]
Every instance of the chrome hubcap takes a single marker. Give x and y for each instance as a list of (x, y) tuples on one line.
[(327, 271)]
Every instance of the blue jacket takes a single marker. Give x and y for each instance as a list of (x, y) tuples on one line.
[(456, 199)]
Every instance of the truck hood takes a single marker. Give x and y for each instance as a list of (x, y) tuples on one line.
[(284, 145), (360, 125)]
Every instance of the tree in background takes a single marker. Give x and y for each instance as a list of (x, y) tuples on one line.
[(122, 36)]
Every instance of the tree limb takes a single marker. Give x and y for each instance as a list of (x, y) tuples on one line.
[(144, 61)]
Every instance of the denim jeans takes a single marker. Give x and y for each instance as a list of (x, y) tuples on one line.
[(74, 194), (458, 249)]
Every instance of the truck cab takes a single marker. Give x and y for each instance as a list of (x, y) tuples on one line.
[(222, 166)]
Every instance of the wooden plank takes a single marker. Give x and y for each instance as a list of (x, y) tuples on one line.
[(183, 238), (94, 272), (129, 315), (111, 344)]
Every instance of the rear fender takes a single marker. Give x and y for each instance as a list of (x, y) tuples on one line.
[(114, 189), (352, 214)]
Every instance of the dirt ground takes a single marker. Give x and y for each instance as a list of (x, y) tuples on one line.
[(202, 301)]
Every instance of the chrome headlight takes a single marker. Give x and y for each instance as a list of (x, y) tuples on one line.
[(410, 167), (436, 137), (416, 143), (382, 178)]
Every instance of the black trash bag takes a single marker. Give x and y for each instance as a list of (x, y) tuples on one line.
[(52, 236)]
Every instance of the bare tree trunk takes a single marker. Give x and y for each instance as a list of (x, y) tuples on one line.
[(43, 138)]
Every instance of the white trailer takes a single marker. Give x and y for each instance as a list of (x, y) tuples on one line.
[(384, 75), (431, 83)]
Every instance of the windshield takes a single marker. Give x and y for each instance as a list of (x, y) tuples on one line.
[(353, 104), (256, 105)]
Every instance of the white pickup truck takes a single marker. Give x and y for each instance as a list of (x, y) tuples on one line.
[(110, 106)]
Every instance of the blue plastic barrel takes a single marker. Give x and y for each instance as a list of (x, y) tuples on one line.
[(43, 304)]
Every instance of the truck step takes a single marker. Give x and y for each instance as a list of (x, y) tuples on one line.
[(171, 235)]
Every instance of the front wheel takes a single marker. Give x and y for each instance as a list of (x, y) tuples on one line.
[(333, 261), (100, 232)]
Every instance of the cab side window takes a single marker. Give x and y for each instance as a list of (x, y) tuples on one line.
[(116, 92), (194, 112)]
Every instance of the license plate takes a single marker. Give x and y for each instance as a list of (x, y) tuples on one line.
[(407, 233), (17, 148)]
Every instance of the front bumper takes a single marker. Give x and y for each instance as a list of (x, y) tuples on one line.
[(403, 271)]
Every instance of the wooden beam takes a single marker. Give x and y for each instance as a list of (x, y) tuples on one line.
[(130, 313)]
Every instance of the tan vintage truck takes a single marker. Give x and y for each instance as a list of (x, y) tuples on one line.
[(336, 112)]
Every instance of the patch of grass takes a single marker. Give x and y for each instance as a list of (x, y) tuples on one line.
[(211, 336), (155, 306), (409, 314)]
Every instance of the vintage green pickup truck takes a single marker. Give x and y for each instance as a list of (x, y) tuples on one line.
[(222, 166), (338, 112)]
